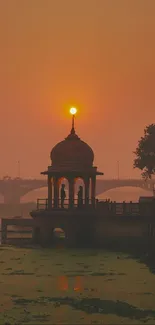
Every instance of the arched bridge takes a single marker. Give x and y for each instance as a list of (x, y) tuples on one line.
[(13, 189), (109, 184)]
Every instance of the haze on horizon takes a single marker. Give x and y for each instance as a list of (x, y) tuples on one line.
[(97, 55)]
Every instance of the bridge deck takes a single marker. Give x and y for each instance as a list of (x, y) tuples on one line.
[(13, 189)]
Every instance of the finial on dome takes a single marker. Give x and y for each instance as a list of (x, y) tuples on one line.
[(73, 111)]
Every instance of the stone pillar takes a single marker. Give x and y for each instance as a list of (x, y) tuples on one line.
[(71, 193), (36, 235), (49, 193), (87, 184), (56, 192), (93, 190)]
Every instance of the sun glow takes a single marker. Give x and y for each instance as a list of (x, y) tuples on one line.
[(73, 110)]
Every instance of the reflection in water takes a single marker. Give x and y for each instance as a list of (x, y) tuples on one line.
[(63, 283), (76, 287), (78, 283)]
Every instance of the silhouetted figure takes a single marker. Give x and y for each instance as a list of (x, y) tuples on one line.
[(80, 197), (63, 195)]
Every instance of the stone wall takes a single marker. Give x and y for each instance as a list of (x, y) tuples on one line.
[(77, 230), (86, 230), (116, 227), (124, 234), (91, 230)]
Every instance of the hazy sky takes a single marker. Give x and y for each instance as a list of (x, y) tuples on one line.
[(98, 55)]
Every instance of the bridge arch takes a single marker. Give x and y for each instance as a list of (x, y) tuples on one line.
[(105, 185), (124, 193), (78, 182), (34, 194), (29, 190), (1, 198)]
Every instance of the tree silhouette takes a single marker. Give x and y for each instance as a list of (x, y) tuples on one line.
[(145, 153)]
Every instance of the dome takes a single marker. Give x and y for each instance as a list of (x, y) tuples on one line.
[(72, 152)]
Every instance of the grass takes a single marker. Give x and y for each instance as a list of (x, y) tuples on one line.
[(56, 286)]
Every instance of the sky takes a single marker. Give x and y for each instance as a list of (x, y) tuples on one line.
[(96, 55)]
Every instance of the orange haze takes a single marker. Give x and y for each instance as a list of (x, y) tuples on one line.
[(96, 55)]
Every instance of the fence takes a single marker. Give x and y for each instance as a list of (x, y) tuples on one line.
[(114, 208), (14, 230), (42, 204), (15, 237), (104, 206)]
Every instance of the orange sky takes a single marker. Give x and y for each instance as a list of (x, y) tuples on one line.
[(98, 55)]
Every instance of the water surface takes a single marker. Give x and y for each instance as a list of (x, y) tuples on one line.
[(58, 286)]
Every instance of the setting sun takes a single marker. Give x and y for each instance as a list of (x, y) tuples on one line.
[(73, 110)]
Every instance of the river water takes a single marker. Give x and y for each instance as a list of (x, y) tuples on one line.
[(61, 286)]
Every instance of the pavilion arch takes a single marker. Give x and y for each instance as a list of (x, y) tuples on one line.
[(78, 181), (88, 184), (63, 180)]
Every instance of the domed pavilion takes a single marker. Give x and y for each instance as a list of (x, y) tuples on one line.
[(71, 160)]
